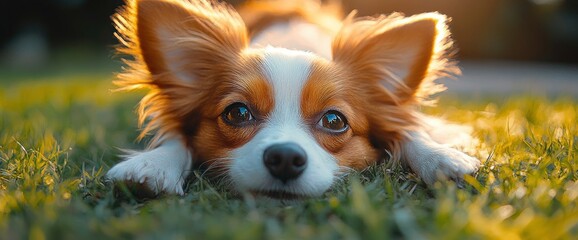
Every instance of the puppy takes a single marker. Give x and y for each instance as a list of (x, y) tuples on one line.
[(284, 102)]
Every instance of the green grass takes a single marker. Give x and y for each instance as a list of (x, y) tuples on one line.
[(59, 136)]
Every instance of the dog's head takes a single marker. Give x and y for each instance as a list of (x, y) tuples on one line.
[(278, 122)]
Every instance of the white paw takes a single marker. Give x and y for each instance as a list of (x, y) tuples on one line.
[(161, 170), (446, 162)]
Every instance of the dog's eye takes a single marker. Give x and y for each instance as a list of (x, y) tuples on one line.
[(333, 121), (237, 114)]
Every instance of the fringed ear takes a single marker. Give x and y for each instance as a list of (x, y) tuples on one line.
[(180, 40), (179, 48), (403, 55), (393, 62)]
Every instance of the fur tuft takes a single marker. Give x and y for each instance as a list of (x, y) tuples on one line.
[(258, 15), (219, 34), (356, 31), (380, 51)]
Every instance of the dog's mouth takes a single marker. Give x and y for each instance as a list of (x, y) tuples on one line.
[(278, 195)]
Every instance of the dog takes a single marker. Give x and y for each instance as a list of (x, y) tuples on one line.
[(283, 97)]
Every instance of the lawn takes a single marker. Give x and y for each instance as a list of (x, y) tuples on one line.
[(59, 135)]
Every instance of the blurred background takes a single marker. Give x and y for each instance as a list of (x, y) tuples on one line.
[(534, 38)]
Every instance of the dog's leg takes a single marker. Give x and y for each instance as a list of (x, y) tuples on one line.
[(163, 169), (430, 159)]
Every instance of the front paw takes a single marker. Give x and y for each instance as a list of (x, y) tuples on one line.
[(161, 170), (149, 173), (448, 163)]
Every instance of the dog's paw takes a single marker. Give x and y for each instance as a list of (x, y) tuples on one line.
[(446, 162), (147, 172), (161, 170)]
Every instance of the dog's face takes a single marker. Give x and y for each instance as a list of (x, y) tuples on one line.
[(283, 124), (276, 122)]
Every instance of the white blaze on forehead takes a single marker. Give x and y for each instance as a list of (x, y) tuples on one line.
[(287, 71)]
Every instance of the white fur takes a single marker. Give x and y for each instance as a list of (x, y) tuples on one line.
[(287, 71), (296, 34), (162, 169), (432, 159), (448, 134), (428, 152)]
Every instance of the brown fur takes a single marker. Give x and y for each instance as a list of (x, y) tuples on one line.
[(208, 48), (214, 138), (370, 44), (365, 47), (258, 15), (331, 88), (208, 54)]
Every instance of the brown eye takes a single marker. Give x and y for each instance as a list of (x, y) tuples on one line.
[(333, 121), (237, 114)]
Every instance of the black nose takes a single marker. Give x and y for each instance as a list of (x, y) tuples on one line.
[(285, 161)]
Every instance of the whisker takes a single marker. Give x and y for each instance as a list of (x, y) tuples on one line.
[(217, 169), (215, 163)]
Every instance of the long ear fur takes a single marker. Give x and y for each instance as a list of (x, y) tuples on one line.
[(178, 49), (393, 62), (405, 55)]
